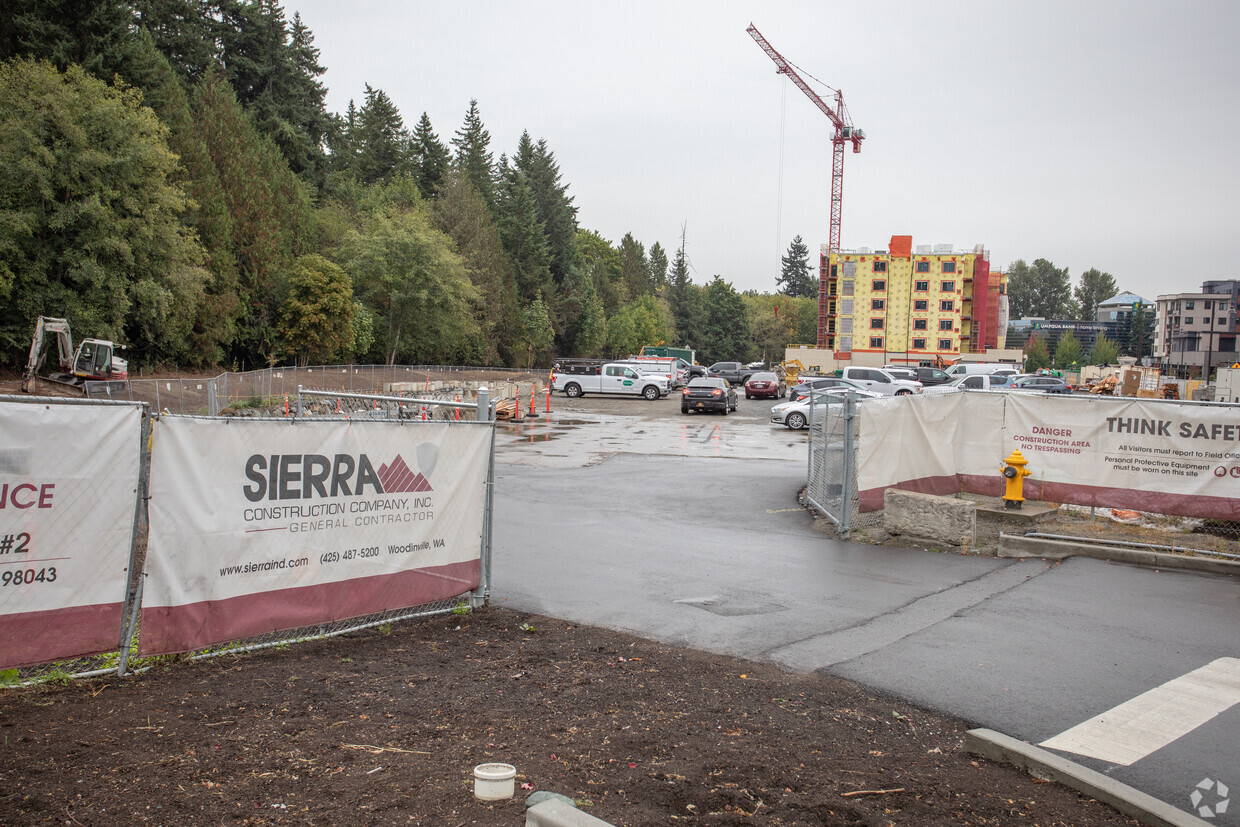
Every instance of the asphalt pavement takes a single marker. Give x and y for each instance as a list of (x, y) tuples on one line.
[(686, 530)]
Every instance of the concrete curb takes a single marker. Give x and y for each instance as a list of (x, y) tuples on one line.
[(1014, 545), (558, 811), (1046, 765)]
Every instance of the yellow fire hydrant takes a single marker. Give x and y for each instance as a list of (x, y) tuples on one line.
[(1014, 472)]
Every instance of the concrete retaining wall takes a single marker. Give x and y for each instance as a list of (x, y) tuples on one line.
[(931, 518)]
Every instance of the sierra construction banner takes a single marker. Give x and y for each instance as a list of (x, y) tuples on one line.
[(1150, 455), (68, 499), (265, 525)]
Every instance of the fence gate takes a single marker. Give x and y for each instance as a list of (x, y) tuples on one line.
[(831, 489)]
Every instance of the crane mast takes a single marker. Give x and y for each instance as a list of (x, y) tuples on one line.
[(845, 133)]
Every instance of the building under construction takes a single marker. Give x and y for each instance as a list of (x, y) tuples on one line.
[(924, 305)]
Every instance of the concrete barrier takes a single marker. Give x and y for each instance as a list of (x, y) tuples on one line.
[(931, 518)]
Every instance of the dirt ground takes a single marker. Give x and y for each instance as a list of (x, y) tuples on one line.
[(385, 727)]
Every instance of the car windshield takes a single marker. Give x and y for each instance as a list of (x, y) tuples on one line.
[(762, 377)]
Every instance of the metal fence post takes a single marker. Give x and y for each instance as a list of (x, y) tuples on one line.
[(847, 489), (484, 405)]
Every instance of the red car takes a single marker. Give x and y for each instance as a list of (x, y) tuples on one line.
[(764, 384)]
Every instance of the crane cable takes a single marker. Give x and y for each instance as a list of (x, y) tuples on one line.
[(779, 198)]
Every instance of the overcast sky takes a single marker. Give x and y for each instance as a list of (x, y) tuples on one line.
[(1091, 134)]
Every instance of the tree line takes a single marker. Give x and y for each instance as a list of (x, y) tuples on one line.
[(1042, 290), (173, 181)]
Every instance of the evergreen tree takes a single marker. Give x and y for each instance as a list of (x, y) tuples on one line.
[(555, 207), (269, 208), (206, 213), (460, 213), (601, 264), (795, 278), (274, 71), (1068, 352), (430, 158), (473, 154), (682, 299), (524, 238), (634, 267), (1094, 288), (725, 327), (539, 335), (658, 267), (1140, 334), (379, 141), (97, 35), (184, 31), (772, 323), (1036, 354), (1105, 352)]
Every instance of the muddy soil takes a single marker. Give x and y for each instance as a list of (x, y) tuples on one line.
[(385, 727)]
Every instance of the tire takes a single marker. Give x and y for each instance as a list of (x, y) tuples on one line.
[(683, 409), (747, 396), (651, 392), (725, 408), (572, 390), (795, 421)]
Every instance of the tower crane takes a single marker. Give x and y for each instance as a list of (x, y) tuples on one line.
[(845, 133)]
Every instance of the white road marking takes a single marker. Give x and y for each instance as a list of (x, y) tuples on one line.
[(1148, 722)]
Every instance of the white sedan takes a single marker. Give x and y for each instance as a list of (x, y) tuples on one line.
[(795, 415)]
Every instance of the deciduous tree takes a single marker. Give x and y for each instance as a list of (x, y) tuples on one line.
[(1094, 288), (89, 210), (316, 320), (1040, 290)]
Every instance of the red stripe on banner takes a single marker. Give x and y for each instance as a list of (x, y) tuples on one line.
[(29, 638), (1156, 502), (170, 629), (872, 498)]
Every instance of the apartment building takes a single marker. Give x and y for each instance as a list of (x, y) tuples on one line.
[(1196, 332), (913, 304)]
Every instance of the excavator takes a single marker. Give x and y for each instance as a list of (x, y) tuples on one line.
[(94, 359)]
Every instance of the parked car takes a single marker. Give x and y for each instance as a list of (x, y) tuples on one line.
[(932, 376), (972, 368), (902, 372), (976, 382), (734, 372), (795, 415), (708, 393), (1037, 383), (764, 384), (880, 381), (802, 389)]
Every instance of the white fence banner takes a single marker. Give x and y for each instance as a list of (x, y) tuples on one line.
[(68, 495), (264, 525), (1151, 455)]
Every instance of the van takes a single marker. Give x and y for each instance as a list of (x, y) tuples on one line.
[(981, 368)]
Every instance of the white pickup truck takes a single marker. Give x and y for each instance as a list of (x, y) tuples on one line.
[(611, 378)]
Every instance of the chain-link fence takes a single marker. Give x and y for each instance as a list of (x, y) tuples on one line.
[(124, 658), (831, 490), (264, 388)]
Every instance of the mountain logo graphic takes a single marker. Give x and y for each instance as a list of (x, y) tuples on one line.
[(398, 479)]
